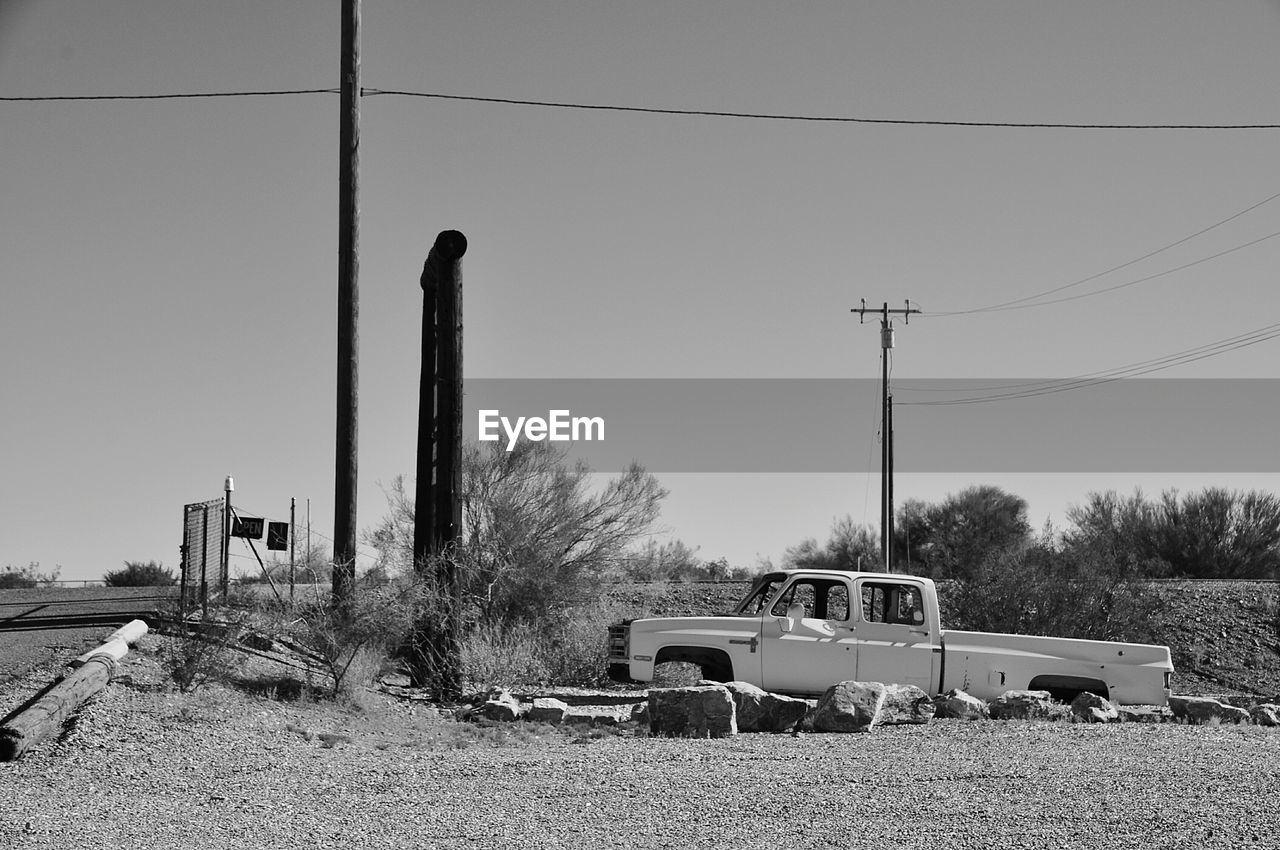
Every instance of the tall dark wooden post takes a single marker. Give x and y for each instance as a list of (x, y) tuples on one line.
[(344, 490), (438, 491)]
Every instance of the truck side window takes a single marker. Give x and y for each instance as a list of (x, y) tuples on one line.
[(891, 603), (800, 591), (823, 599), (755, 603), (873, 596)]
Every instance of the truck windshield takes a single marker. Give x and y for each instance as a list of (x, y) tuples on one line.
[(757, 600)]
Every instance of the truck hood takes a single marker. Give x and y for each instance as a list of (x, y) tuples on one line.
[(696, 625)]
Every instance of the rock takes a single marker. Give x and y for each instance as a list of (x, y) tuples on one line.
[(757, 710), (499, 705), (1267, 714), (1199, 710), (599, 715), (1090, 708), (960, 705), (904, 704), (1144, 713), (701, 711), (806, 723), (546, 710), (1027, 705), (849, 707)]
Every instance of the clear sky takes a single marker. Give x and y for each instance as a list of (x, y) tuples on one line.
[(169, 267)]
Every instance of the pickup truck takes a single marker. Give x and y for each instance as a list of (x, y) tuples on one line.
[(800, 631)]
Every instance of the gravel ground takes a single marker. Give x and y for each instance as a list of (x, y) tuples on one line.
[(145, 766), (24, 644)]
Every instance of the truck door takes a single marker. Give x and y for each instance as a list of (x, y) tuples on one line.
[(807, 639), (894, 644)]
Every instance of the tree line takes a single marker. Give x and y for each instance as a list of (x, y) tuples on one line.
[(1215, 533)]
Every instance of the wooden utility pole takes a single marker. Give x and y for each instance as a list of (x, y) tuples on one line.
[(886, 418), (437, 494), (344, 495), (438, 491)]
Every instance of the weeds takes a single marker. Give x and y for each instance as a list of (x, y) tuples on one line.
[(202, 652)]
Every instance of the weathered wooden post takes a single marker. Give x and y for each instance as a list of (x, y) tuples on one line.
[(437, 492), (47, 712)]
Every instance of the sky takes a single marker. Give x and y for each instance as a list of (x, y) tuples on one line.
[(170, 266)]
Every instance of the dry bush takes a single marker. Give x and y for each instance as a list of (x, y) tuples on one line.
[(568, 647), (202, 652), (1039, 592)]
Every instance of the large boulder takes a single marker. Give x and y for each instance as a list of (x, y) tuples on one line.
[(1090, 708), (849, 707), (757, 710), (1201, 710), (499, 704), (546, 710), (957, 704), (702, 711), (1027, 705), (1266, 714), (904, 704)]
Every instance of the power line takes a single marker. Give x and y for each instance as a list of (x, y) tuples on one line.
[(1127, 284), (838, 119), (650, 110), (1093, 379), (1014, 303), (170, 96)]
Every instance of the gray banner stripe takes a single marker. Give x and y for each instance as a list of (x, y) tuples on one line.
[(830, 425)]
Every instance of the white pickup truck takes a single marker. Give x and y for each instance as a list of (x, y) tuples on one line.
[(800, 631)]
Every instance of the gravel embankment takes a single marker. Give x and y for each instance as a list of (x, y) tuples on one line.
[(144, 766)]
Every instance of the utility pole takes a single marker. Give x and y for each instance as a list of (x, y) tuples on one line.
[(344, 496), (886, 418)]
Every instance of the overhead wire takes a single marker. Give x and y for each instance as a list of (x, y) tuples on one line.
[(1019, 303), (164, 96), (1050, 387), (837, 119), (652, 110)]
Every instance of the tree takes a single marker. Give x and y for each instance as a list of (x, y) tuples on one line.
[(140, 574), (536, 534), (12, 577), (1212, 534), (670, 561), (964, 529), (849, 547)]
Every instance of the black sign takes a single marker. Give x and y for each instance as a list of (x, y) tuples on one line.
[(250, 527), (278, 535)]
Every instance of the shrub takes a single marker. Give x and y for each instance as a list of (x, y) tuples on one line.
[(25, 577), (352, 639), (568, 647), (202, 652), (1042, 592), (140, 574)]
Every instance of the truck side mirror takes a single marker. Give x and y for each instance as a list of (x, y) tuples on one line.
[(795, 613)]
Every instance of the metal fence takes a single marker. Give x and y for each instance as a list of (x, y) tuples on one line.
[(204, 565)]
